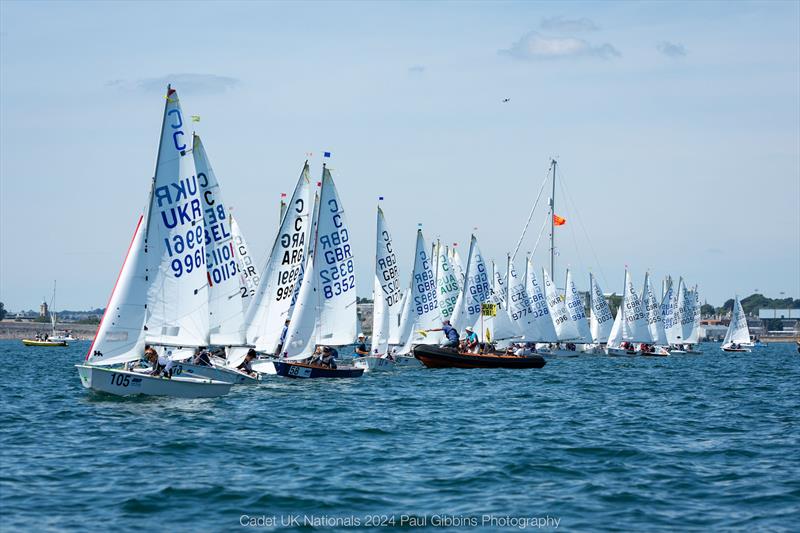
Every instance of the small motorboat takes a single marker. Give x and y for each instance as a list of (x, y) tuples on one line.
[(371, 363), (49, 342), (292, 369), (434, 356)]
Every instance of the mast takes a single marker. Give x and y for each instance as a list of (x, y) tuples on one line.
[(508, 278), (553, 223)]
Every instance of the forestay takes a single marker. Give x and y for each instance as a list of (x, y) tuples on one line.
[(565, 328), (600, 318), (282, 271), (246, 264), (120, 337), (545, 329), (475, 291), (423, 305), (226, 316), (325, 312), (655, 322), (386, 291), (577, 314), (177, 299)]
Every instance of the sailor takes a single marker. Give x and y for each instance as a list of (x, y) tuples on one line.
[(202, 357), (329, 357), (282, 340), (472, 340), (361, 347), (246, 365), (450, 335), (164, 364)]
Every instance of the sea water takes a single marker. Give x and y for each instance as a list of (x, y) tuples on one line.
[(686, 442)]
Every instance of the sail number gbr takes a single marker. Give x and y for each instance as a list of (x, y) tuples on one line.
[(337, 277)]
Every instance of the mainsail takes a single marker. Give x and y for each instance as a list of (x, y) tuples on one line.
[(565, 328), (634, 317), (423, 306), (281, 273), (475, 291), (248, 272), (738, 332), (519, 307), (655, 322), (541, 313), (694, 334), (120, 337), (672, 313), (226, 317), (577, 314), (177, 298), (447, 285), (386, 291), (325, 312), (600, 318)]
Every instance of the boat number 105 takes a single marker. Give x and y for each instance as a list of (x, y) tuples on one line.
[(120, 380)]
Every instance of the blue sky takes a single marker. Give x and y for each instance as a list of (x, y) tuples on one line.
[(676, 125)]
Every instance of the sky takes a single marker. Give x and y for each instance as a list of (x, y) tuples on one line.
[(676, 127)]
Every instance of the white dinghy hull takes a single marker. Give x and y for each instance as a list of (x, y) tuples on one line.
[(225, 375), (372, 363), (620, 351), (407, 361), (264, 366), (125, 383)]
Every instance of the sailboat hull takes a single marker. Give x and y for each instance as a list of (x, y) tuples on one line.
[(373, 363), (264, 366), (124, 383), (434, 356), (407, 361), (225, 375), (305, 371), (619, 351), (33, 342)]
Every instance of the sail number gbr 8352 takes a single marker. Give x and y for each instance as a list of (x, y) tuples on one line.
[(337, 276)]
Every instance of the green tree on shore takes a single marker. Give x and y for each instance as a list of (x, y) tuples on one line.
[(3, 311)]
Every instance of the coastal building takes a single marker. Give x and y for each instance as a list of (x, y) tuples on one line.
[(44, 312)]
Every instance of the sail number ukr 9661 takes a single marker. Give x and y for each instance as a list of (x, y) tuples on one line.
[(189, 250)]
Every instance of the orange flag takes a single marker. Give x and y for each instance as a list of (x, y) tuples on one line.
[(558, 221)]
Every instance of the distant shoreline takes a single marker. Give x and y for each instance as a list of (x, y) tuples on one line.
[(26, 330)]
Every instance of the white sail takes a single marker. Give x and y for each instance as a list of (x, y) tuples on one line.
[(177, 299), (634, 323), (687, 314), (120, 337), (600, 318), (520, 310), (423, 305), (565, 328), (615, 336), (246, 264), (655, 322), (672, 313), (694, 335), (738, 332), (386, 292), (327, 297), (475, 291), (458, 266), (226, 317), (405, 320), (447, 285), (282, 271), (545, 329), (577, 314)]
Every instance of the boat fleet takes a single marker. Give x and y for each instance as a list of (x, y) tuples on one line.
[(189, 284)]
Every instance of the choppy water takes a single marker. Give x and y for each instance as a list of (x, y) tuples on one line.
[(683, 442)]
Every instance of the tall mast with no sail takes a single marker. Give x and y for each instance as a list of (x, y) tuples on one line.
[(553, 223)]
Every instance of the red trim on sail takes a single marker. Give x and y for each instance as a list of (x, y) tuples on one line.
[(208, 275), (141, 217)]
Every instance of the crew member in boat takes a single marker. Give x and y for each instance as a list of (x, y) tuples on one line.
[(246, 366), (524, 349), (471, 344), (202, 357), (329, 357), (361, 347), (282, 340), (450, 335)]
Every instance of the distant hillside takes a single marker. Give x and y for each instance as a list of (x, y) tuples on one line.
[(754, 302)]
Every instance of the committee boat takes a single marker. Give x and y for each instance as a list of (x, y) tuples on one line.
[(433, 356)]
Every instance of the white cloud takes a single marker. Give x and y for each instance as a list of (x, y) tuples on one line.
[(535, 46), (671, 49), (559, 23)]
